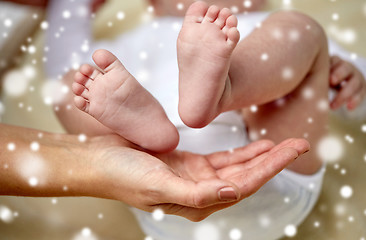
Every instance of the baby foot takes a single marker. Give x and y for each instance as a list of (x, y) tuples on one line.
[(117, 100), (205, 44)]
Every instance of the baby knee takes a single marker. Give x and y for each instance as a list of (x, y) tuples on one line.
[(302, 23)]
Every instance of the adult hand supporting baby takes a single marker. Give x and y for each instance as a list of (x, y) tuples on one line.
[(181, 183)]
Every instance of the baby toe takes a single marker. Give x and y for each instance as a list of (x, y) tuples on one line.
[(233, 36), (196, 12), (212, 14), (221, 19), (81, 103)]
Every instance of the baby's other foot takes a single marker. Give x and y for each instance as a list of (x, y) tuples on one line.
[(117, 100), (205, 44)]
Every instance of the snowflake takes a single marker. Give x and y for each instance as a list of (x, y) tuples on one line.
[(308, 93), (85, 47), (6, 215), (85, 234), (290, 230), (180, 6), (53, 91), (235, 234), (263, 131), (206, 230), (33, 181), (346, 191), (287, 73), (31, 49), (158, 215), (349, 139), (11, 147), (15, 83), (34, 146), (264, 57), (363, 128), (66, 14), (234, 9), (150, 9), (142, 75), (253, 108), (294, 35), (247, 3), (335, 16), (82, 138), (340, 209), (143, 55), (353, 56), (323, 105), (120, 15), (286, 2), (330, 149), (44, 25), (347, 36), (8, 22), (264, 221), (343, 171)]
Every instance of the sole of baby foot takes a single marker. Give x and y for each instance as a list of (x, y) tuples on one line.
[(115, 98), (204, 46)]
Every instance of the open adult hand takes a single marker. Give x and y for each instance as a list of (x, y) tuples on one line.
[(182, 183)]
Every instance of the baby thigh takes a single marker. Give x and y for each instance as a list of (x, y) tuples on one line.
[(291, 92)]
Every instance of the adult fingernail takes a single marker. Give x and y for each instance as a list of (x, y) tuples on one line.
[(227, 194)]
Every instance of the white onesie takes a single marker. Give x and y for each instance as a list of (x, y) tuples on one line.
[(149, 53)]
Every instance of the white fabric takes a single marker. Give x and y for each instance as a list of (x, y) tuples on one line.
[(149, 53)]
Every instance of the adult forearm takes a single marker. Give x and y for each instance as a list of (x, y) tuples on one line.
[(34, 163)]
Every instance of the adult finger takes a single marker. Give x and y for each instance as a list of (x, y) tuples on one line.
[(300, 145), (250, 181), (222, 159)]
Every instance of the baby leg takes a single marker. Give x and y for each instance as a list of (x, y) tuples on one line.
[(118, 101), (205, 44), (283, 67)]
